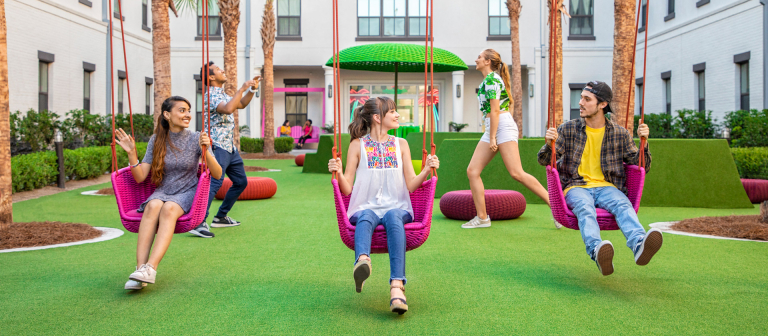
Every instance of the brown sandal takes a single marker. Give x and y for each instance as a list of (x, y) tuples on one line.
[(399, 308)]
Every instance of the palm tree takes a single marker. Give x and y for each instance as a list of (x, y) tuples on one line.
[(6, 187), (268, 31), (515, 7), (161, 51), (557, 102), (229, 10), (623, 52)]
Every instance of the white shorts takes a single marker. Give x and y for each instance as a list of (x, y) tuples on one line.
[(506, 132)]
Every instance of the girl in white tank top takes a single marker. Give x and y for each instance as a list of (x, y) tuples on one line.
[(380, 166)]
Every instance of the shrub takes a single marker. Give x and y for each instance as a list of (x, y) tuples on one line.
[(660, 125), (690, 124), (748, 128), (284, 144), (36, 170), (751, 162), (251, 145), (37, 128)]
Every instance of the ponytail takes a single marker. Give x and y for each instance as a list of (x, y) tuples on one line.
[(362, 122), (498, 65)]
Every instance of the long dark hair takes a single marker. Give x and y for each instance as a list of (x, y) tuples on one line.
[(363, 120), (285, 122), (498, 65), (161, 138)]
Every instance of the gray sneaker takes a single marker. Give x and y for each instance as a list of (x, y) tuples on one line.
[(226, 221), (202, 231)]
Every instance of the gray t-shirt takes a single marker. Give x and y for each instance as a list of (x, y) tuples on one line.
[(180, 172)]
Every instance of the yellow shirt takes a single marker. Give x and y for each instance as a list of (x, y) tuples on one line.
[(285, 130), (589, 168)]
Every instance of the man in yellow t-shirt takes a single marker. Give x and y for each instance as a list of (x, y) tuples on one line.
[(591, 153)]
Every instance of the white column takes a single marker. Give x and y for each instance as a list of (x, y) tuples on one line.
[(255, 111), (328, 96), (531, 117), (458, 102)]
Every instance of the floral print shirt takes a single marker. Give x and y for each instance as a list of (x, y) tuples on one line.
[(381, 155), (222, 125), (492, 87)]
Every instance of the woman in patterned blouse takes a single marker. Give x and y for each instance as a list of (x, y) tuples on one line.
[(385, 176), (500, 136)]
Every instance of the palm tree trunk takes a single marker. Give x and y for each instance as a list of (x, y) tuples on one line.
[(623, 74), (6, 186), (161, 53), (268, 30), (558, 101), (230, 19), (515, 7)]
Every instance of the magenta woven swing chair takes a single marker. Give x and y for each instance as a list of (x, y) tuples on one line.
[(129, 194), (635, 174)]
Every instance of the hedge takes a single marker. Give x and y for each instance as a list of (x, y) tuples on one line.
[(752, 163), (37, 170), (256, 145)]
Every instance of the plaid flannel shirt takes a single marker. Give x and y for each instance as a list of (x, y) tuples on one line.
[(617, 148)]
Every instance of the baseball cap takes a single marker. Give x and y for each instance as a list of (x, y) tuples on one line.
[(602, 91)]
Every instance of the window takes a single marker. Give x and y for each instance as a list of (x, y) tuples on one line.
[(668, 95), (214, 21), (42, 98), (120, 83), (198, 103), (391, 18), (701, 90), (498, 18), (116, 10), (288, 18), (639, 95), (296, 102), (644, 12), (87, 90), (575, 98), (410, 100), (582, 18), (145, 15), (670, 6), (744, 86), (148, 98)]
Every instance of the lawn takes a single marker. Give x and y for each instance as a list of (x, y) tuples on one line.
[(285, 271)]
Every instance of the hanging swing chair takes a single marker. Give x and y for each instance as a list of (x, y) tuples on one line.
[(635, 174), (128, 193), (422, 199)]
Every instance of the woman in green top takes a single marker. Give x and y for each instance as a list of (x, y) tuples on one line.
[(500, 135)]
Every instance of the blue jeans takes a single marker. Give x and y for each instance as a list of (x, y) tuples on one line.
[(393, 221), (232, 166), (584, 200)]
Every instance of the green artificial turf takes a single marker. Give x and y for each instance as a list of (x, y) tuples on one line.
[(286, 271), (684, 173), (318, 162)]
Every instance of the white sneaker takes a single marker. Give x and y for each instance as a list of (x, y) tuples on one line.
[(477, 223), (558, 225), (650, 245), (604, 257), (135, 285), (145, 273)]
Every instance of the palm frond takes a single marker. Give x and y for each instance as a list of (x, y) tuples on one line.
[(190, 6)]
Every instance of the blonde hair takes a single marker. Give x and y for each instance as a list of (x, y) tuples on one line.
[(498, 65)]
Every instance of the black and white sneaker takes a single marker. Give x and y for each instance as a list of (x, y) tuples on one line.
[(648, 248), (224, 222), (604, 257), (202, 231)]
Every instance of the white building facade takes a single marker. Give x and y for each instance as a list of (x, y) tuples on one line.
[(722, 39)]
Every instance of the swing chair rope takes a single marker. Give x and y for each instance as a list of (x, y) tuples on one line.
[(429, 78), (112, 90)]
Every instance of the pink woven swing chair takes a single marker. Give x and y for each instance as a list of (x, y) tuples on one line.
[(422, 199), (128, 193), (635, 174)]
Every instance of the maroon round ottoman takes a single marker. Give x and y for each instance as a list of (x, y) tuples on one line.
[(500, 204), (299, 160), (757, 190)]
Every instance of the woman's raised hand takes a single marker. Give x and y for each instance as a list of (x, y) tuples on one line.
[(125, 141), (334, 165), (433, 161), (205, 141)]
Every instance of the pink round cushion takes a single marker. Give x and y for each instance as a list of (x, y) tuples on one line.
[(757, 190), (299, 160), (500, 204)]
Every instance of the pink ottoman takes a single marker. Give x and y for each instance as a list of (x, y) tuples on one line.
[(500, 204), (757, 190)]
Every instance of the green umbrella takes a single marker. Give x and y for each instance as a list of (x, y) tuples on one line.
[(396, 57)]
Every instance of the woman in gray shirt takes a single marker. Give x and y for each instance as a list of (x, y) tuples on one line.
[(173, 154)]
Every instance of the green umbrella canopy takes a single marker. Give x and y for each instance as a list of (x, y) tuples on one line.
[(382, 57)]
